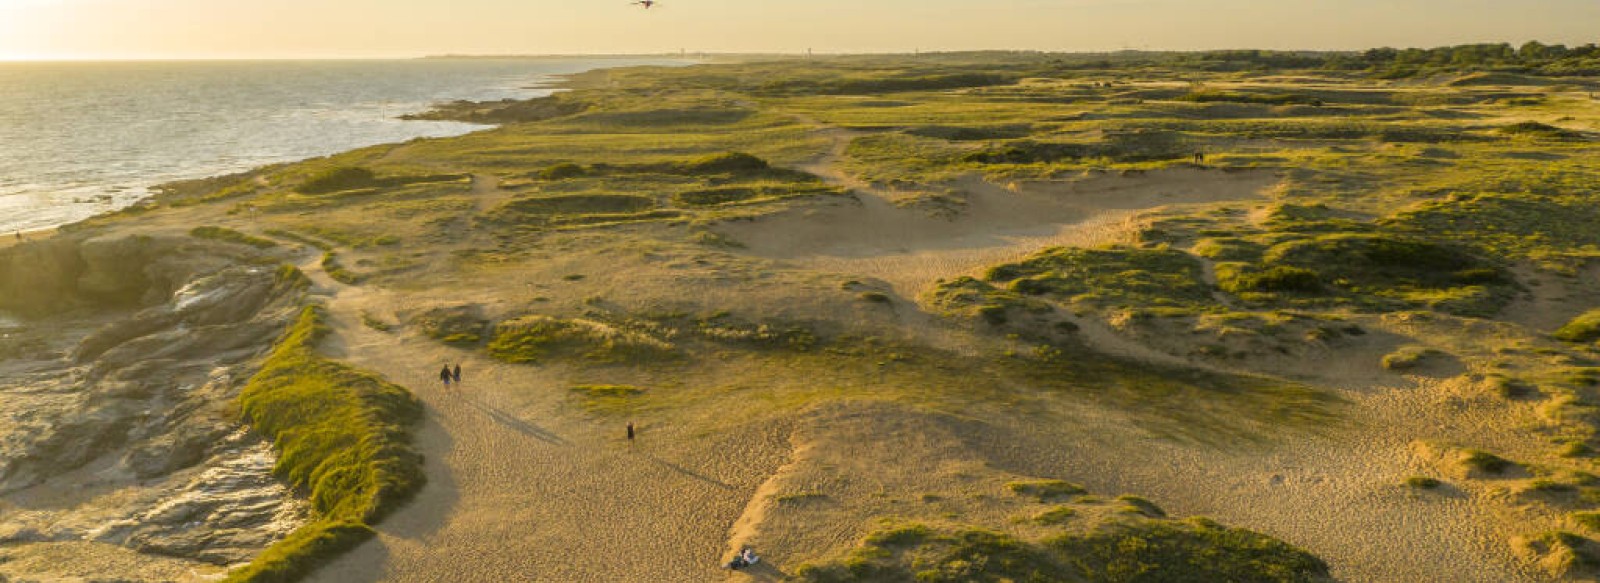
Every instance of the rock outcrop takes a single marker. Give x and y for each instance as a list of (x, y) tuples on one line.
[(117, 396)]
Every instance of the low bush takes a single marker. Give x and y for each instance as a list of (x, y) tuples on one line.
[(537, 338), (1584, 328), (1539, 130), (337, 179), (1408, 357), (1046, 490), (1273, 279), (1423, 482), (231, 236)]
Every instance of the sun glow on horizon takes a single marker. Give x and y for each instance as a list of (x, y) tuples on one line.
[(76, 30)]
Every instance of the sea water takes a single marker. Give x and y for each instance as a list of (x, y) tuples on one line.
[(79, 139)]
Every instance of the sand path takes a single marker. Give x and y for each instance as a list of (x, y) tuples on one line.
[(510, 500)]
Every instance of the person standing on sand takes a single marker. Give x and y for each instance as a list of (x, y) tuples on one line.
[(444, 375), (630, 432), (456, 374)]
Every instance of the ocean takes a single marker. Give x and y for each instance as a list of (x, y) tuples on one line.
[(79, 139)]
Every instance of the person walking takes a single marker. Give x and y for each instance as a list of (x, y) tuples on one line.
[(444, 375), (456, 374)]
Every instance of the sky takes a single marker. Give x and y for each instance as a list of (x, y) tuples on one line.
[(267, 29)]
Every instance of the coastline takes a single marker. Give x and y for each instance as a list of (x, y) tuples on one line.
[(543, 85)]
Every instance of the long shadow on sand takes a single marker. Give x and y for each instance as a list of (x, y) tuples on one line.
[(511, 422), (690, 473)]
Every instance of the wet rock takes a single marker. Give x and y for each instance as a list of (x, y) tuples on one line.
[(223, 515)]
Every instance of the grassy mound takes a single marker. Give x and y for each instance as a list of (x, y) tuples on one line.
[(1379, 272), (538, 338), (581, 204), (342, 438), (227, 235), (1585, 328), (337, 179), (1132, 547), (1212, 96), (1117, 276), (1121, 147), (458, 325), (1539, 130)]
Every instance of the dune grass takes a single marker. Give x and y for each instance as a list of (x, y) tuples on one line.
[(534, 339), (231, 236), (1584, 328), (1128, 548), (342, 438)]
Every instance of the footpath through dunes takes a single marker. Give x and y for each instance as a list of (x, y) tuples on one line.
[(558, 499), (909, 248)]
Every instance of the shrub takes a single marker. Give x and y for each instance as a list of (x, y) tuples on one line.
[(231, 236), (1274, 279), (337, 179), (1584, 328), (536, 338), (1423, 482), (1536, 129), (563, 171), (457, 325), (715, 196), (728, 163), (1119, 276), (1197, 550), (1408, 357), (876, 297), (1046, 490), (1485, 462)]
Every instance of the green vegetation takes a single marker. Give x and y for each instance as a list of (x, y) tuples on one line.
[(337, 179), (1119, 550), (1115, 277), (1584, 328), (1409, 357), (607, 398), (342, 437), (534, 339), (337, 270), (1046, 490), (456, 325), (1485, 462), (1539, 130), (1423, 482), (231, 236)]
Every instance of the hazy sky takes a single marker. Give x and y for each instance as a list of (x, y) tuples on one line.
[(402, 28)]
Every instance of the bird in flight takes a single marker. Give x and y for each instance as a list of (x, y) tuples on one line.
[(646, 3)]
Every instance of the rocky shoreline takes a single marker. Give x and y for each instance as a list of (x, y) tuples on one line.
[(118, 390)]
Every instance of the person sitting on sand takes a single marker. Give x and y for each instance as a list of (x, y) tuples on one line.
[(745, 558)]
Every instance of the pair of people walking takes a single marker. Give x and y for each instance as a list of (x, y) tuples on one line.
[(449, 375)]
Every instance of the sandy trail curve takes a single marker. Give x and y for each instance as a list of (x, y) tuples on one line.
[(512, 500)]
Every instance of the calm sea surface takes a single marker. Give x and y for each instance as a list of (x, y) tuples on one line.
[(78, 139)]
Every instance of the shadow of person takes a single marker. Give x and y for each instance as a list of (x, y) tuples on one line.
[(764, 571), (513, 423)]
